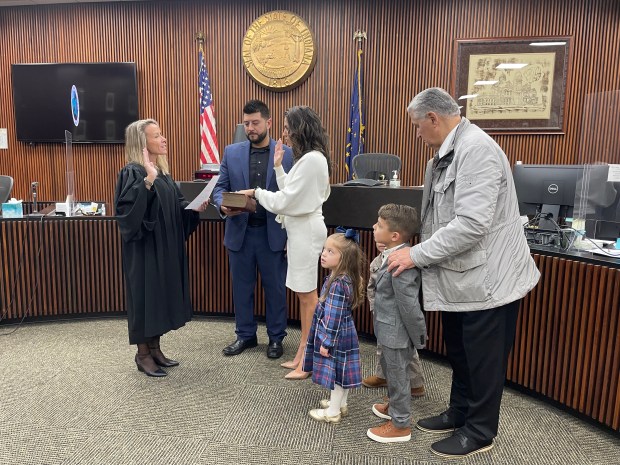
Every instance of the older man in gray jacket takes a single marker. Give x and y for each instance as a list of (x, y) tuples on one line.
[(476, 267)]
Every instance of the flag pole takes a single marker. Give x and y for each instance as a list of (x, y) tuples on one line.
[(359, 36), (209, 152), (355, 131), (200, 38)]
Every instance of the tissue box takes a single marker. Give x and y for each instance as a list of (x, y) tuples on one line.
[(12, 210)]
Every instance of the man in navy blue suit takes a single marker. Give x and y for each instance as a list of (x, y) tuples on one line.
[(255, 241)]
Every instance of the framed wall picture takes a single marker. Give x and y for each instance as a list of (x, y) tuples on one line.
[(513, 85)]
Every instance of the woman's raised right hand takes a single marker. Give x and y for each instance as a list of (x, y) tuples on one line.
[(278, 154)]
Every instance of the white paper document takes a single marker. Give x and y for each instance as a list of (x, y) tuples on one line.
[(204, 195), (614, 173), (606, 252), (4, 141)]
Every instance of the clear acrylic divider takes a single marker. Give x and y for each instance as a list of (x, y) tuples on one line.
[(70, 174), (596, 213)]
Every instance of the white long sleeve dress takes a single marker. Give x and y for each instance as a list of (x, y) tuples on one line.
[(299, 206)]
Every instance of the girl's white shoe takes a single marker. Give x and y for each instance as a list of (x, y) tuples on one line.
[(321, 415), (344, 410)]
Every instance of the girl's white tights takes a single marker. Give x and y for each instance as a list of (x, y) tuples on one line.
[(337, 399)]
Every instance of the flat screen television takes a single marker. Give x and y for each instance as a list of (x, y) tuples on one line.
[(45, 105)]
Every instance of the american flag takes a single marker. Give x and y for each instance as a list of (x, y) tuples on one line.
[(208, 134)]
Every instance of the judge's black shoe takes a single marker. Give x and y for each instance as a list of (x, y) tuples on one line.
[(275, 349), (141, 360), (239, 346), (159, 357), (445, 422), (459, 446), (162, 360)]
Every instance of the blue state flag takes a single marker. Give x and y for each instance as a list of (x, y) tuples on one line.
[(355, 132)]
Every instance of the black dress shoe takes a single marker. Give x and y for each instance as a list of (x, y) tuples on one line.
[(275, 350), (239, 346), (159, 356), (163, 361), (443, 423), (159, 373), (459, 445)]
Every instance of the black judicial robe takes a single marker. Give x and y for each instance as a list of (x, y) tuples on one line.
[(154, 226)]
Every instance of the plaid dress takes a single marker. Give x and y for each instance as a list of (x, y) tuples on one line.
[(333, 327)]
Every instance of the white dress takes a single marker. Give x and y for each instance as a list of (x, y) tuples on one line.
[(299, 206)]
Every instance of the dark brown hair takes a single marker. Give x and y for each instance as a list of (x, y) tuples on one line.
[(402, 219), (306, 133)]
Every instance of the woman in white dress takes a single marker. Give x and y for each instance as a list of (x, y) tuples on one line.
[(299, 206)]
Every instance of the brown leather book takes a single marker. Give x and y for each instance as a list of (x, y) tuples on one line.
[(236, 201)]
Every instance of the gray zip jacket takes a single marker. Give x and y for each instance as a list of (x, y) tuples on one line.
[(473, 254)]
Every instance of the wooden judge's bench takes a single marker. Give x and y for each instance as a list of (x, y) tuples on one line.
[(566, 348)]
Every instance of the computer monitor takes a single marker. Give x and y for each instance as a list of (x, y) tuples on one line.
[(547, 190), (6, 186)]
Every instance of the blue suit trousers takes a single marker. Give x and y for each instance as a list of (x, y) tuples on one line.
[(256, 256)]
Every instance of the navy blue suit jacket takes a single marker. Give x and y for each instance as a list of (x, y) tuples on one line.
[(234, 176)]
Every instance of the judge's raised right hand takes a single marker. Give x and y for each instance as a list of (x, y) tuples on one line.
[(278, 154), (151, 169)]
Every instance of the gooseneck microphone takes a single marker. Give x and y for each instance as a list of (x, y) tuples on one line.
[(34, 186)]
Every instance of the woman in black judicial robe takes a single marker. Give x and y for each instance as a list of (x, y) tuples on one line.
[(154, 226)]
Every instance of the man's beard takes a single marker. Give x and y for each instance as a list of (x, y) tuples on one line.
[(259, 138)]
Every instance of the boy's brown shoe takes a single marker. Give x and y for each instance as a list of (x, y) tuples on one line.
[(418, 391), (374, 382), (387, 433), (381, 410)]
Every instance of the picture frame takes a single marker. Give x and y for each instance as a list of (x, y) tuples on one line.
[(513, 85)]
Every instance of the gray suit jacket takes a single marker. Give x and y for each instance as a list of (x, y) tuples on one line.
[(398, 317)]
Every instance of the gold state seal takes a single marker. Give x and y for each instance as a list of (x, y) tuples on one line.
[(278, 50)]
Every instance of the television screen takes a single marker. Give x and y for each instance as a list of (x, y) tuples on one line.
[(93, 101)]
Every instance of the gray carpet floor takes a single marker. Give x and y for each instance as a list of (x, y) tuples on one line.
[(70, 394)]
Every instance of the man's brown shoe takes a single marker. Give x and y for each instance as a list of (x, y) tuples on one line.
[(387, 432), (374, 382), (418, 391)]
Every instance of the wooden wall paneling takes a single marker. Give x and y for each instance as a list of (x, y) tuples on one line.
[(549, 320), (564, 319), (611, 391), (598, 374)]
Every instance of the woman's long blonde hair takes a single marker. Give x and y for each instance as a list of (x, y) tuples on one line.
[(352, 264), (135, 141)]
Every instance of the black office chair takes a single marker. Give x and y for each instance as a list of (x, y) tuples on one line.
[(375, 165), (6, 186)]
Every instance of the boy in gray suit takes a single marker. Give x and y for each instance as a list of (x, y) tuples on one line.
[(399, 323)]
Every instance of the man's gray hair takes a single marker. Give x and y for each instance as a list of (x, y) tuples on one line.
[(434, 99)]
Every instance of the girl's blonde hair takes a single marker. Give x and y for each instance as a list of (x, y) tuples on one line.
[(352, 264), (135, 141)]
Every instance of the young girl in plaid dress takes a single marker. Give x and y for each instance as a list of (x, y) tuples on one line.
[(332, 350)]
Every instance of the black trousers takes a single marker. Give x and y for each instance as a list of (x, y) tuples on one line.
[(478, 344)]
